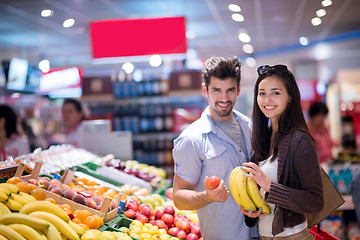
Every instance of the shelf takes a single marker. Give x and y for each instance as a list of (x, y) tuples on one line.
[(163, 99)]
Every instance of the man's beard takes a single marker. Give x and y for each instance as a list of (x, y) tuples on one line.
[(224, 113)]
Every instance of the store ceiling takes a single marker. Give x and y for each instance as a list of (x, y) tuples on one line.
[(273, 25)]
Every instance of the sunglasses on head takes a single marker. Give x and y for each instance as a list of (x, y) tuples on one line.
[(279, 69)]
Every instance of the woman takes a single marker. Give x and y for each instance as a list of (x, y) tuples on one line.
[(72, 116), (11, 144), (320, 132), (284, 160)]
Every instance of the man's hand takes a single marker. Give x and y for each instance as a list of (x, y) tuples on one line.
[(252, 214), (219, 194)]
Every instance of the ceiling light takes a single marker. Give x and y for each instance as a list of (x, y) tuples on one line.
[(303, 41), (190, 35), (250, 61), (316, 21), (44, 65), (247, 48), (68, 23), (320, 12), (237, 17), (47, 13), (244, 37), (155, 61), (321, 51), (234, 7), (326, 3), (128, 67)]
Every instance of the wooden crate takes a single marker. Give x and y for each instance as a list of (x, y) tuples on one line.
[(66, 178)]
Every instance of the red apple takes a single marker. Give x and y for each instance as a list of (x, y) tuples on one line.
[(184, 225), (152, 222), (192, 236), (173, 231), (170, 210), (142, 218), (168, 219), (213, 182), (141, 206), (147, 211), (130, 214), (181, 234), (132, 205), (168, 193), (160, 223), (196, 229), (159, 213)]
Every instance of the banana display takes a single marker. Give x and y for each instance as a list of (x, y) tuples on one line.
[(246, 192), (22, 217)]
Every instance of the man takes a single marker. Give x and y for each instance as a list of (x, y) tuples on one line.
[(213, 145)]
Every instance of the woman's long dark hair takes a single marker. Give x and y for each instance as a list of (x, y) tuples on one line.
[(291, 120)]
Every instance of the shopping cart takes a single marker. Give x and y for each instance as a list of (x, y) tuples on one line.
[(319, 234)]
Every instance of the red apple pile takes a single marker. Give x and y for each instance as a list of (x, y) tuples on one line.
[(176, 225)]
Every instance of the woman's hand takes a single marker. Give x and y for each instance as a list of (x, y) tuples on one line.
[(257, 174), (252, 214)]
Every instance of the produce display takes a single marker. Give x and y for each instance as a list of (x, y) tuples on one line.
[(50, 207), (246, 192)]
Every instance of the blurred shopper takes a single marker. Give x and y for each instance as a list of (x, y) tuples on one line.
[(320, 132), (11, 144), (284, 159), (72, 116), (213, 145)]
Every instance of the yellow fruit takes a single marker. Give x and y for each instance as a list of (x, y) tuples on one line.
[(13, 205), (32, 222), (10, 233), (45, 206), (25, 231)]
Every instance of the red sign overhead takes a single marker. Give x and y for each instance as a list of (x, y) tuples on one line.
[(135, 37)]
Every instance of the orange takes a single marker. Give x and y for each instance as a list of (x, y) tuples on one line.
[(97, 192), (76, 220), (32, 186), (91, 222), (38, 194), (51, 200), (14, 180), (66, 208), (91, 183), (23, 187), (71, 184), (84, 226), (103, 189), (81, 214), (99, 220)]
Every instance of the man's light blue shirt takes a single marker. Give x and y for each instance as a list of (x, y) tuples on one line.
[(201, 150)]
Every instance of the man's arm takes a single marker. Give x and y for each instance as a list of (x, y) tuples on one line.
[(185, 198)]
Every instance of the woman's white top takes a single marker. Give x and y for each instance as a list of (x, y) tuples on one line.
[(265, 223)]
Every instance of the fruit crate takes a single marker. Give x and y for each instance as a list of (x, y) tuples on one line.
[(104, 212), (116, 223)]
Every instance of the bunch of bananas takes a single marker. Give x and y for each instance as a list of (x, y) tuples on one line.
[(246, 192), (11, 199), (39, 220)]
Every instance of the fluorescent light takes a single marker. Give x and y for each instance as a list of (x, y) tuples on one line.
[(47, 13), (250, 61), (155, 61), (237, 17), (303, 41), (234, 7), (247, 48), (128, 67), (326, 3), (68, 23), (316, 21), (244, 37), (44, 65), (320, 12)]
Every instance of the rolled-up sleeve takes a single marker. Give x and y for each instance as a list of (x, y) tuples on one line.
[(187, 162)]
